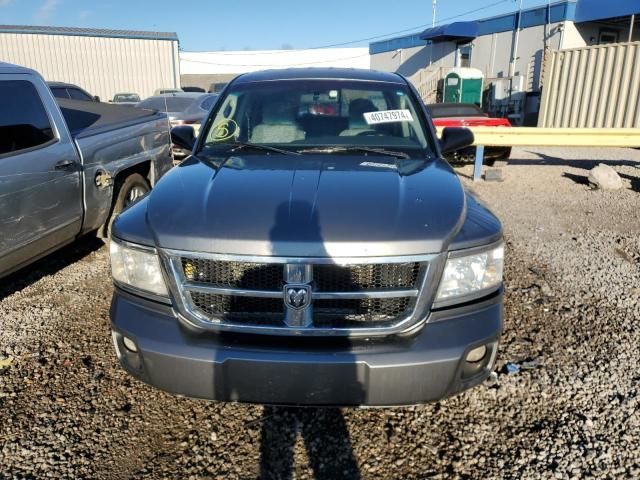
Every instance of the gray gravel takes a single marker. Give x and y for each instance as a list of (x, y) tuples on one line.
[(571, 410)]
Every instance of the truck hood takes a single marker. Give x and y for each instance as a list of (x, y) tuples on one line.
[(307, 206)]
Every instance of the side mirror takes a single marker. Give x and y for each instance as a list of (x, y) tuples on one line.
[(96, 98), (184, 136), (455, 138)]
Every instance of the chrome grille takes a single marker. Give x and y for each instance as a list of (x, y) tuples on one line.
[(298, 296)]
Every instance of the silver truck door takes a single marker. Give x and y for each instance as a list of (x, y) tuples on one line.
[(40, 173)]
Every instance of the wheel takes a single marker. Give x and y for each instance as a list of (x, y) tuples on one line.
[(129, 190), (501, 159)]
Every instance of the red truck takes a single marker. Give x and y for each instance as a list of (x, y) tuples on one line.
[(468, 115)]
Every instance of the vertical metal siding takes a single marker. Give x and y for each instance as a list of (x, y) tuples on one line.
[(592, 87), (101, 65)]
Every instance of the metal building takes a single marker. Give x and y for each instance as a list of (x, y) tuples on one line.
[(202, 69), (103, 62), (512, 50)]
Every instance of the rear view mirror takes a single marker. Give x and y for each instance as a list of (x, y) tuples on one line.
[(96, 98), (184, 136), (455, 138)]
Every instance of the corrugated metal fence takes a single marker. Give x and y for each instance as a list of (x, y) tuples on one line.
[(592, 87)]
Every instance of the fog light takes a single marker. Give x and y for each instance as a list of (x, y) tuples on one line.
[(129, 344), (474, 355)]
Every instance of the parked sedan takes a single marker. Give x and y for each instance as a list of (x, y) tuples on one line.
[(70, 91), (468, 115), (175, 105), (197, 112), (126, 98)]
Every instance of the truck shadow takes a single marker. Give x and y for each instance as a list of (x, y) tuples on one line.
[(323, 430), (49, 265), (325, 437)]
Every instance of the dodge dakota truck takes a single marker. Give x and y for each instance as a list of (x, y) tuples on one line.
[(67, 167), (314, 249)]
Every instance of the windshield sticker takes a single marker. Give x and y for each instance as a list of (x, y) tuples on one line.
[(225, 130), (388, 116)]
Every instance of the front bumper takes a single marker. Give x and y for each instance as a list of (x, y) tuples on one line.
[(427, 366)]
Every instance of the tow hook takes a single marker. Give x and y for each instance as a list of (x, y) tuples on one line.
[(103, 179)]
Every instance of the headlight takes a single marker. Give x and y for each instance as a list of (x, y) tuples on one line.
[(471, 275), (138, 268)]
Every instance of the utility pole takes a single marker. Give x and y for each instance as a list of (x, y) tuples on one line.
[(514, 57), (434, 4)]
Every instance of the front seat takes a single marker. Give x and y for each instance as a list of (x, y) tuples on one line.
[(357, 123), (278, 125)]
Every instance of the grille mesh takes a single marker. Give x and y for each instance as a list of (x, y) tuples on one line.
[(343, 313), (353, 278), (251, 276), (257, 311), (327, 278)]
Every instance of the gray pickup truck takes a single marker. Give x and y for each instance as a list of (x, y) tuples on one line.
[(67, 167), (315, 249)]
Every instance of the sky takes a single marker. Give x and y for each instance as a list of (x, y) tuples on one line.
[(209, 25)]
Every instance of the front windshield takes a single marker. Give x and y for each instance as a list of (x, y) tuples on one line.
[(303, 114)]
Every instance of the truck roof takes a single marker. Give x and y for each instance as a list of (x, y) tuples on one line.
[(11, 68), (320, 74)]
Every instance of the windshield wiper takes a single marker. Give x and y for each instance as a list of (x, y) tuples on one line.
[(377, 151), (266, 148)]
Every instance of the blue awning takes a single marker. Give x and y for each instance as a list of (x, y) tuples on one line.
[(452, 32), (593, 10)]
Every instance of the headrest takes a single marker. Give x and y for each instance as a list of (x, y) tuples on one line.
[(278, 113)]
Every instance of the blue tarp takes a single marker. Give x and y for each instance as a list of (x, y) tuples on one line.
[(462, 31), (590, 10)]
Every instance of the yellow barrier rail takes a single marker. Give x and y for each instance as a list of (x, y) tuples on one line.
[(554, 137), (548, 137)]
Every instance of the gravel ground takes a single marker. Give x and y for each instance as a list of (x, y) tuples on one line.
[(570, 410)]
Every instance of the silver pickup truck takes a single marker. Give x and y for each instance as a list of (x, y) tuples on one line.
[(67, 167)]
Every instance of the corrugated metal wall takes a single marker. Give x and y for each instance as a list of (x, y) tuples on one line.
[(101, 65), (592, 87)]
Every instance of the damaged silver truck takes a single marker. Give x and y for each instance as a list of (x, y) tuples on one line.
[(68, 167), (314, 249)]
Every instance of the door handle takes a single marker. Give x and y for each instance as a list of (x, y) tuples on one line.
[(64, 164)]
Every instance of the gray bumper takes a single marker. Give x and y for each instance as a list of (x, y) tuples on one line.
[(424, 367)]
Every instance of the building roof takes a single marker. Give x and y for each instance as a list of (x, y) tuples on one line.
[(320, 74), (559, 11), (88, 32)]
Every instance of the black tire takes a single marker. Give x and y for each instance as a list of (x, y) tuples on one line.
[(502, 159), (128, 191)]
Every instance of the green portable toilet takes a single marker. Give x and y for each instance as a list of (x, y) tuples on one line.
[(463, 85)]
